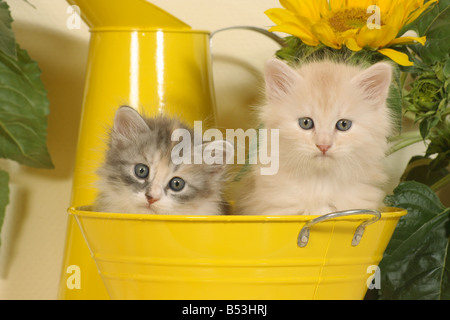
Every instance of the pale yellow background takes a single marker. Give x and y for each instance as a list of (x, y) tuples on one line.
[(34, 230)]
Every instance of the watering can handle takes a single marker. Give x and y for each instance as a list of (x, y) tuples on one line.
[(271, 35), (303, 236)]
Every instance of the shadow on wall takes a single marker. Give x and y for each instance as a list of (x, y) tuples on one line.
[(236, 99), (12, 227), (62, 60)]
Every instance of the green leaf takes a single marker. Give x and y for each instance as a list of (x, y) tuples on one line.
[(426, 125), (4, 197), (416, 262), (446, 69), (23, 112), (7, 39), (425, 20), (440, 145), (437, 31), (424, 170)]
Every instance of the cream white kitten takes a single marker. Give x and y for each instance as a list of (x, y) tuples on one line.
[(333, 126)]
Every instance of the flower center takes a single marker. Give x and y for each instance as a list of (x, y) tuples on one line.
[(352, 18)]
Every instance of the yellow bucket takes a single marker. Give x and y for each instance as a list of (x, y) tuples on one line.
[(236, 257), (141, 56)]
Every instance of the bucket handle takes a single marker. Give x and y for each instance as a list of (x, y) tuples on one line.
[(303, 236), (265, 32)]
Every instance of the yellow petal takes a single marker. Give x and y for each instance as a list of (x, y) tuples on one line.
[(365, 36), (291, 5), (324, 8), (336, 4), (339, 4), (343, 36), (375, 38), (410, 6), (396, 18), (280, 16), (388, 34), (399, 57), (292, 24), (352, 45), (419, 11), (408, 40), (325, 34), (305, 8), (359, 3), (385, 6), (297, 31)]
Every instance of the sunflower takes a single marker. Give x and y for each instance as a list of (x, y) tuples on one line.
[(337, 23)]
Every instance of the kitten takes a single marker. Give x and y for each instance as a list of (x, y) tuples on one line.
[(333, 126), (138, 175)]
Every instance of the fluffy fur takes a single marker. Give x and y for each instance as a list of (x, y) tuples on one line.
[(137, 140), (350, 174)]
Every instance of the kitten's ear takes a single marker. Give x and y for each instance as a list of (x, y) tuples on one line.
[(128, 123), (375, 82), (279, 79)]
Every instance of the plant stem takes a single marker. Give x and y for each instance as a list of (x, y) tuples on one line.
[(445, 113), (414, 164), (404, 140), (403, 77), (409, 116), (30, 4), (441, 183), (404, 136)]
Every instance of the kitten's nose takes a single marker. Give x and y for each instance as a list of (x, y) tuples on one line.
[(323, 147), (151, 199)]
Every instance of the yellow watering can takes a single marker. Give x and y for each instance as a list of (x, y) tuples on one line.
[(143, 57)]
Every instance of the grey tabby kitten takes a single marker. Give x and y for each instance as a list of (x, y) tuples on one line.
[(139, 176)]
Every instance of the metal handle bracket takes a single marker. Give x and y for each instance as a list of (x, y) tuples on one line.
[(303, 236)]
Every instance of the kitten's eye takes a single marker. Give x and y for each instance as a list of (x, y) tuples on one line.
[(306, 123), (141, 171), (176, 184), (343, 125)]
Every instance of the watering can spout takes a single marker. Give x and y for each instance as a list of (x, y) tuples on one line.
[(126, 13)]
